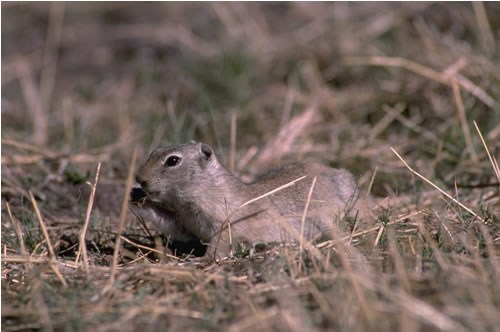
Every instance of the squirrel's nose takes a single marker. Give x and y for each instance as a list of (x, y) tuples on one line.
[(141, 181)]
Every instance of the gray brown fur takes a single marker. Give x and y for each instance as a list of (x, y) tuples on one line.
[(195, 198)]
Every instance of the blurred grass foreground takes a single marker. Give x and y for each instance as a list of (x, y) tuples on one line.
[(86, 84)]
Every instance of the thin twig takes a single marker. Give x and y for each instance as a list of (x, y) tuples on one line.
[(42, 224), (229, 232), (363, 204), (354, 277), (29, 147), (51, 53), (493, 162), (232, 153), (331, 243), (33, 100), (19, 230), (436, 186), (228, 219), (123, 213), (25, 259), (425, 72), (303, 221), (388, 118), (83, 247), (398, 260), (379, 235), (41, 306), (53, 264), (463, 119), (57, 272), (400, 63), (289, 184), (288, 135), (148, 248), (485, 32)]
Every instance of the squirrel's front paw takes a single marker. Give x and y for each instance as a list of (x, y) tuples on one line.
[(138, 197)]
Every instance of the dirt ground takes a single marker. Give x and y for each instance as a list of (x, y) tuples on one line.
[(405, 95)]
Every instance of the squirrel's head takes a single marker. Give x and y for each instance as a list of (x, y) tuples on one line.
[(177, 172)]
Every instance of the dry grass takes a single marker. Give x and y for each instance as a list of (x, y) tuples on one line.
[(341, 83)]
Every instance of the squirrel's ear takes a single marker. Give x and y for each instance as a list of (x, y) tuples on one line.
[(206, 153)]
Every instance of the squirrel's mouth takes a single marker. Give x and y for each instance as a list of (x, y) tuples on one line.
[(139, 196)]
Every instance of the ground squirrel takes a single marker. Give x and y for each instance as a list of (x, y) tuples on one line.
[(190, 196)]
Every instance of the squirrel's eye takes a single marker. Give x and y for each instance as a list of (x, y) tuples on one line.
[(172, 161)]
